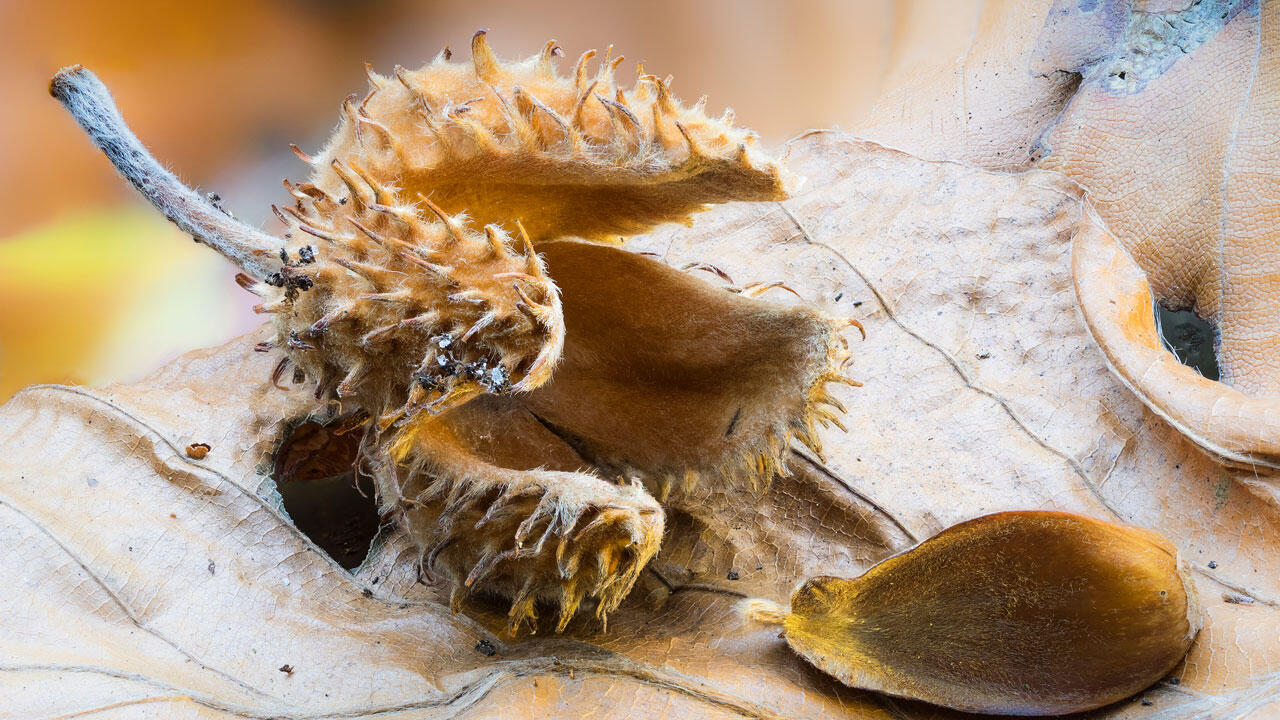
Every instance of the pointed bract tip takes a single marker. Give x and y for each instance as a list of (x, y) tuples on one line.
[(303, 156), (482, 57)]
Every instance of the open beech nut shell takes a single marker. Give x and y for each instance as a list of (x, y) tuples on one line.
[(1026, 613), (398, 312)]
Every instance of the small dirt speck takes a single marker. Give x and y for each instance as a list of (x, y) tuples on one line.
[(197, 451), (486, 648), (287, 670), (733, 575), (1213, 564)]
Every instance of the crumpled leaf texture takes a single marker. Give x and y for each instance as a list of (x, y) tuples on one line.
[(135, 581), (1164, 111)]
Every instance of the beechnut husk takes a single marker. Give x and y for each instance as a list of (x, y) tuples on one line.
[(454, 250)]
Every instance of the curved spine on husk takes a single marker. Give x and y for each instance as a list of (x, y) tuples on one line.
[(567, 156), (535, 536)]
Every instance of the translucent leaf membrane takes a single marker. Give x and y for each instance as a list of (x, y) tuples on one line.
[(567, 156), (1025, 613)]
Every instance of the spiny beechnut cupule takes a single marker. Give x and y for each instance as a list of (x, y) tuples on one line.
[(454, 251)]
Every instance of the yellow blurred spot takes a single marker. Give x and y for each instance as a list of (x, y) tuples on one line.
[(106, 296)]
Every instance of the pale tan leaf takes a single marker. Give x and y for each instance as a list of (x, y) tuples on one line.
[(1165, 112), (1172, 134)]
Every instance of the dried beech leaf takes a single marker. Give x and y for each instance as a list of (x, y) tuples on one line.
[(1165, 113), (962, 82), (139, 580), (1192, 201)]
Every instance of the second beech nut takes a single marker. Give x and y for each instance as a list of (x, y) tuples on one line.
[(1023, 613)]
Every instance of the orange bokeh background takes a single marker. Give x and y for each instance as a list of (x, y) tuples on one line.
[(95, 286)]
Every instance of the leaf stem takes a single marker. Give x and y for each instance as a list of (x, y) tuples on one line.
[(90, 103)]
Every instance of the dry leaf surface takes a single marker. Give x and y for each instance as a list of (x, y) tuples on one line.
[(1172, 135), (138, 581), (1164, 112), (962, 82)]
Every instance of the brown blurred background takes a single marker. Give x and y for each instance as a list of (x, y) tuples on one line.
[(96, 286)]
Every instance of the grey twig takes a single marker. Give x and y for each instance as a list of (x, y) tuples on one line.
[(90, 103)]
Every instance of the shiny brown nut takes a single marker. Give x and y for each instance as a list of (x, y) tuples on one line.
[(1028, 613)]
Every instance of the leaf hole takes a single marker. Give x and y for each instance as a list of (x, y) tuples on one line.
[(1190, 338), (325, 497)]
